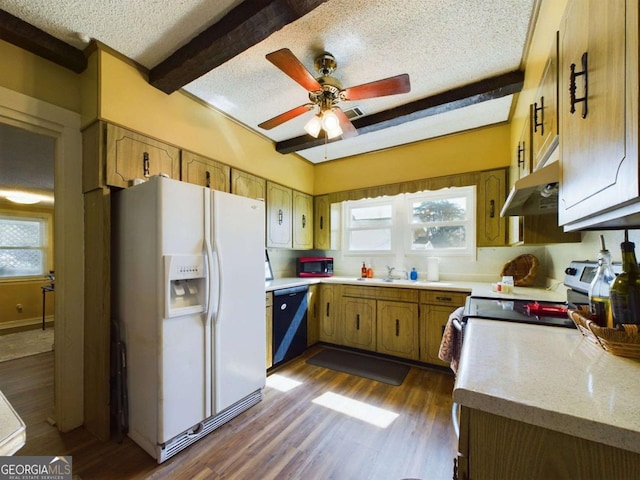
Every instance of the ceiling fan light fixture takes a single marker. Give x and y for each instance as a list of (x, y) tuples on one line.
[(331, 124), (313, 126)]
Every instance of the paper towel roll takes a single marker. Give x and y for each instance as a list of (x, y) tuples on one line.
[(433, 269)]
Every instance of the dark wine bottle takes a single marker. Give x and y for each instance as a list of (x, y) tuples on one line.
[(625, 288)]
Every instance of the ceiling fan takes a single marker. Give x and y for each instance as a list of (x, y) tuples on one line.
[(325, 92)]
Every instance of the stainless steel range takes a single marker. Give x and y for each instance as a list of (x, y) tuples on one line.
[(578, 276)]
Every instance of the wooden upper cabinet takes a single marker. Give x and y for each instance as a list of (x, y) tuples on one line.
[(322, 222), (491, 194), (544, 112), (130, 156), (599, 124), (247, 185), (302, 221), (205, 172), (278, 216)]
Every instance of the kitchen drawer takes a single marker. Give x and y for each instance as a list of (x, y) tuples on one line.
[(441, 297), (381, 293)]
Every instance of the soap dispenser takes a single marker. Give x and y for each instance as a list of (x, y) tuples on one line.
[(413, 275)]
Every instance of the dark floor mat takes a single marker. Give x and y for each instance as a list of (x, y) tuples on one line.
[(361, 365)]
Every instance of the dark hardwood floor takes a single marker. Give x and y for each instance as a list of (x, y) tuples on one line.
[(285, 436)]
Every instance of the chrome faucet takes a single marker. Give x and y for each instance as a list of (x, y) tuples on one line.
[(389, 271)]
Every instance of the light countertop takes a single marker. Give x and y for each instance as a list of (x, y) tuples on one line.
[(474, 288), (13, 433), (550, 377)]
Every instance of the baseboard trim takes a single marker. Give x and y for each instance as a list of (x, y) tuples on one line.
[(14, 326)]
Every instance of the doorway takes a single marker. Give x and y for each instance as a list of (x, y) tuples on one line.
[(63, 127)]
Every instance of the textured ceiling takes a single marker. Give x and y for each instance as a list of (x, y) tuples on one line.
[(440, 44)]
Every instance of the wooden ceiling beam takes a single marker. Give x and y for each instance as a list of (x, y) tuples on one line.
[(481, 91), (244, 26), (26, 36)]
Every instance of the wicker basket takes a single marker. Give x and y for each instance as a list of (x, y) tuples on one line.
[(523, 269), (624, 342)]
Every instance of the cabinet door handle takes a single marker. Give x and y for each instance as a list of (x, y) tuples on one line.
[(397, 327), (572, 86), (444, 299), (321, 222), (358, 321), (207, 179), (537, 123), (304, 220), (145, 164), (279, 216), (328, 303), (521, 154), (443, 327), (492, 208)]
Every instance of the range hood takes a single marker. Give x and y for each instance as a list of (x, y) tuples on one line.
[(535, 194)]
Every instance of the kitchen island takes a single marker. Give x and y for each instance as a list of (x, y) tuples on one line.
[(544, 402)]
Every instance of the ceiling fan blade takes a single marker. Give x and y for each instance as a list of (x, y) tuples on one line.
[(289, 64), (379, 88), (286, 116), (348, 130)]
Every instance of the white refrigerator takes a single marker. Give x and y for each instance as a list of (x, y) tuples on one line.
[(188, 290)]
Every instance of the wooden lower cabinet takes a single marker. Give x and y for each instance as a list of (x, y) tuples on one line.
[(398, 329), (313, 312), (435, 308), (432, 322), (269, 320), (359, 323), (328, 318), (492, 447)]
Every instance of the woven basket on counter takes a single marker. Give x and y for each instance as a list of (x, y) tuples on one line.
[(523, 269), (624, 342)]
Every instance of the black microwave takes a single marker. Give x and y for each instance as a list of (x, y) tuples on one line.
[(314, 266)]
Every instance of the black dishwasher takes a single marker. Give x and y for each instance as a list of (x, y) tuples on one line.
[(289, 323)]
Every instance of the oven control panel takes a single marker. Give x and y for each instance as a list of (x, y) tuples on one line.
[(579, 273)]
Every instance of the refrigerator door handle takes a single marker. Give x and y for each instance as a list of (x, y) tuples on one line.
[(218, 277), (208, 375)]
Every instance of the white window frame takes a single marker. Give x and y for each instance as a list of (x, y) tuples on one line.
[(348, 205), (469, 223), (44, 221), (401, 224)]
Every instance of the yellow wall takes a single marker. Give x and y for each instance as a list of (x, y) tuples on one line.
[(126, 98), (31, 75), (479, 149)]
